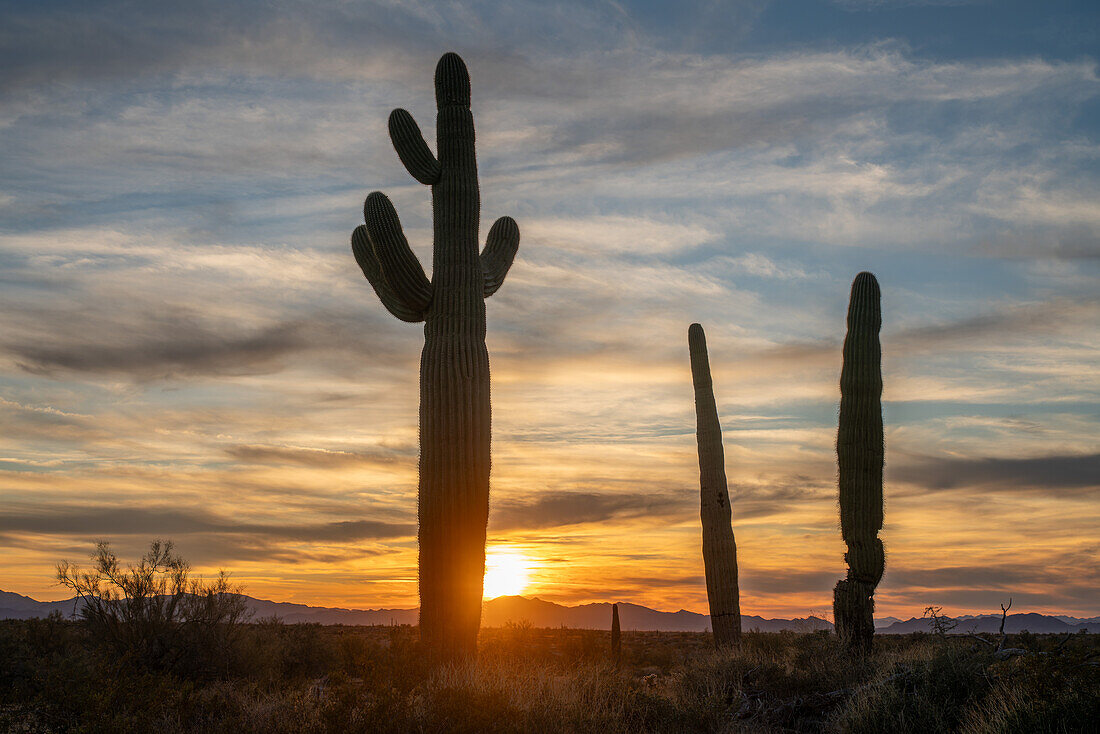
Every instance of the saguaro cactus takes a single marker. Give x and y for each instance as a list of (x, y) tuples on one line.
[(616, 636), (453, 504), (719, 549), (859, 451)]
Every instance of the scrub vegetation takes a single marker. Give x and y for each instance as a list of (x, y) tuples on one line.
[(59, 677)]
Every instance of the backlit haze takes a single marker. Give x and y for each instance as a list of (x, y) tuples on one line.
[(189, 351)]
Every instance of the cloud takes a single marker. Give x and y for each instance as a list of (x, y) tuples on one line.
[(614, 234), (988, 600), (674, 105), (1062, 571), (180, 317), (183, 349), (650, 582), (1049, 318), (1071, 242), (979, 332), (761, 266), (47, 422), (1048, 581), (890, 4), (205, 538), (780, 495), (318, 40), (559, 509), (166, 343), (318, 458), (775, 581), (1053, 475), (154, 521)]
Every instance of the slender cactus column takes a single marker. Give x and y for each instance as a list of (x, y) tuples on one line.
[(453, 501), (719, 548), (616, 637), (860, 456)]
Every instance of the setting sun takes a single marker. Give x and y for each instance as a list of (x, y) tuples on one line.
[(507, 573)]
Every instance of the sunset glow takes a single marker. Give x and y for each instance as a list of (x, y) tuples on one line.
[(189, 351), (507, 573)]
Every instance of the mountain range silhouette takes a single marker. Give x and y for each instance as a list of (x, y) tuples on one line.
[(539, 613)]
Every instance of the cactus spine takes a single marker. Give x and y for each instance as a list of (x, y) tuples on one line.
[(859, 451), (453, 500), (616, 636), (719, 549)]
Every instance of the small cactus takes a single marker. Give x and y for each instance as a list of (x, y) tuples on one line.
[(453, 501), (860, 454), (719, 548), (616, 636)]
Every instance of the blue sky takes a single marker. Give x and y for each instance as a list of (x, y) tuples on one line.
[(188, 350)]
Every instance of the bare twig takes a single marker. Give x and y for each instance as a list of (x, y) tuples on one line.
[(1004, 616), (940, 623)]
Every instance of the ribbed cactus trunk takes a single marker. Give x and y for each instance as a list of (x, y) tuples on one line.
[(719, 549), (453, 504), (859, 451), (616, 636)]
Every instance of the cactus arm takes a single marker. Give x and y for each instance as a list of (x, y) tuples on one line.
[(455, 414), (364, 255), (500, 251), (411, 148), (400, 268)]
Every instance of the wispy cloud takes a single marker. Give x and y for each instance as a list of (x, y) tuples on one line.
[(108, 521), (572, 508), (187, 347), (1051, 475)]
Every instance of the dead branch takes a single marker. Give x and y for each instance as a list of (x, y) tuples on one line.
[(1004, 616)]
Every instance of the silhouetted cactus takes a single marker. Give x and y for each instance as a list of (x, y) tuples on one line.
[(616, 636), (719, 549), (859, 451), (453, 505)]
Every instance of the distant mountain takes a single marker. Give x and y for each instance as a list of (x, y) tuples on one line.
[(496, 613), (500, 611), (539, 613), (295, 613), (16, 606), (1038, 623)]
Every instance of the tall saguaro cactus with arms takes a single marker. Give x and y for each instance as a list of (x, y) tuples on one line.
[(719, 548), (860, 456), (453, 502)]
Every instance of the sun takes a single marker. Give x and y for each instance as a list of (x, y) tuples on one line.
[(507, 573)]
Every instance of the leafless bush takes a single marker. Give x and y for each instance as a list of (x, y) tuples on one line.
[(938, 622), (154, 614)]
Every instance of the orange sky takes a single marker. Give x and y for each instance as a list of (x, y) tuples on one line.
[(188, 350), (323, 510)]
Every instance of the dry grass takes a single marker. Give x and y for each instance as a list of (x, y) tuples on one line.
[(302, 678)]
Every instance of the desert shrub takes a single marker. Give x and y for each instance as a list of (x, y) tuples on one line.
[(27, 647), (774, 682), (273, 652), (1038, 694), (651, 652), (919, 695), (154, 615), (312, 678), (45, 672)]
